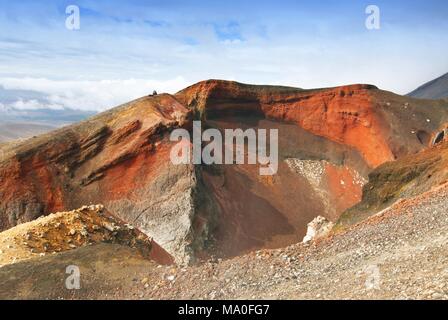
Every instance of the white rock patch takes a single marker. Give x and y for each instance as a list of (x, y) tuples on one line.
[(317, 228)]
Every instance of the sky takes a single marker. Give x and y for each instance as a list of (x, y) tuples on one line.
[(126, 49)]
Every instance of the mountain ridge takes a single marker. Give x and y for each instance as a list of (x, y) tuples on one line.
[(434, 89)]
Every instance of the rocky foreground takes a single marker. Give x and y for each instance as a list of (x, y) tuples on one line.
[(70, 230), (399, 253)]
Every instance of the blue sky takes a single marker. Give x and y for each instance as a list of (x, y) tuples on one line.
[(125, 49)]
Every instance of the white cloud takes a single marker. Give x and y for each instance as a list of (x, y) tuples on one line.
[(34, 105), (87, 94)]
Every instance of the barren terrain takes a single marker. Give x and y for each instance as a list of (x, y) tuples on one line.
[(104, 195), (399, 253)]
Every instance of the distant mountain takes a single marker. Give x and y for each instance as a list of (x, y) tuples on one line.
[(435, 89), (24, 123), (21, 130), (24, 113), (28, 105), (55, 117)]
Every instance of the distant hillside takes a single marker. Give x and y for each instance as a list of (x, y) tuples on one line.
[(435, 89), (45, 115), (17, 130), (25, 113), (25, 123)]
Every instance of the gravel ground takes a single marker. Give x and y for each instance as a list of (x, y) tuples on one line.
[(401, 253)]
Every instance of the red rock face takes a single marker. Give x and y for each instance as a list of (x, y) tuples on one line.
[(344, 188), (381, 126), (51, 168), (329, 140), (115, 158), (343, 115)]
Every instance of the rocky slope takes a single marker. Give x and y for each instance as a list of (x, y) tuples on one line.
[(119, 158), (434, 89), (405, 178), (63, 231), (329, 141), (397, 254)]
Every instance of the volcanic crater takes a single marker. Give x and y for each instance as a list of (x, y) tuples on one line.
[(329, 141)]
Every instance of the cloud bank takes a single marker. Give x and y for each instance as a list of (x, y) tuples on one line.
[(83, 94)]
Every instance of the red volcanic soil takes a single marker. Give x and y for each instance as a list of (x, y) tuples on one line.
[(120, 158)]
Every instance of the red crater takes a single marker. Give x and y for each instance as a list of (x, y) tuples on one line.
[(329, 141)]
